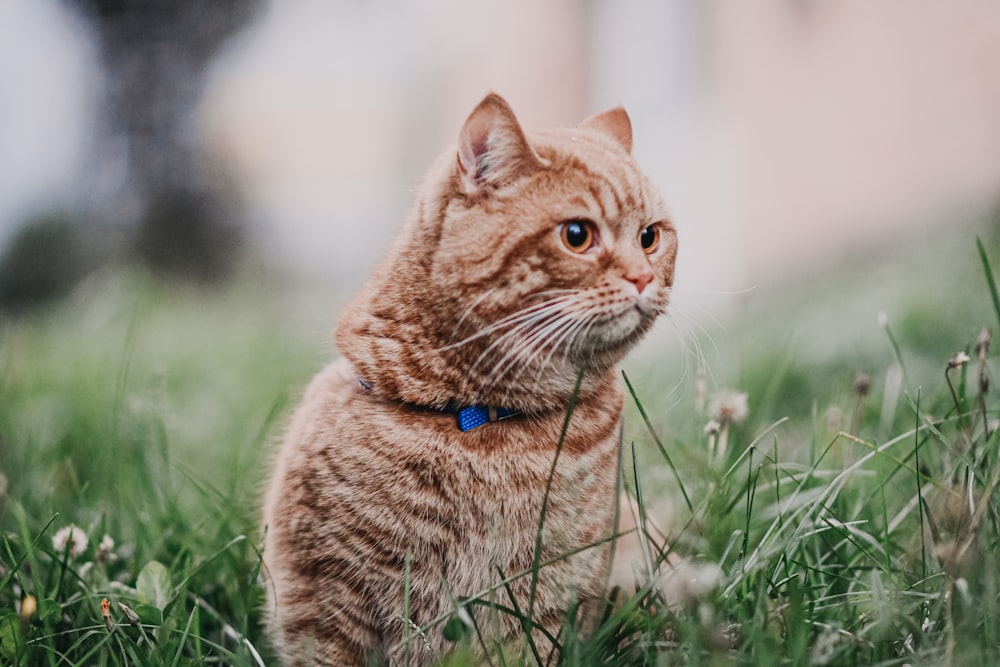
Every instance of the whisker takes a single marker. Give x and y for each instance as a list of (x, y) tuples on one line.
[(510, 336), (590, 326), (676, 389), (691, 346), (542, 320), (551, 334), (529, 343), (468, 311), (571, 334), (543, 329), (542, 317), (681, 312), (715, 320), (508, 320), (555, 338), (737, 292), (535, 295)]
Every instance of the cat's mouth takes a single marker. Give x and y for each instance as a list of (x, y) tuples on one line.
[(648, 308), (623, 327), (625, 324)]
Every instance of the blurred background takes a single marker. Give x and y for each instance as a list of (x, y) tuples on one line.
[(191, 137), (190, 190)]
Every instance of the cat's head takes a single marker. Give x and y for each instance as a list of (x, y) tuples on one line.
[(526, 258)]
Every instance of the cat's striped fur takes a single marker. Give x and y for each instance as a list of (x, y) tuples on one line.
[(527, 260)]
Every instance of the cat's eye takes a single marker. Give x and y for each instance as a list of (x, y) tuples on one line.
[(577, 235), (650, 239)]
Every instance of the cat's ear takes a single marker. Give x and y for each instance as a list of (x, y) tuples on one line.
[(615, 123), (492, 148)]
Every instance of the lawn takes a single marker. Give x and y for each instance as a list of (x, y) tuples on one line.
[(849, 517)]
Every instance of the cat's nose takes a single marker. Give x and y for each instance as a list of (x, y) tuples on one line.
[(640, 280)]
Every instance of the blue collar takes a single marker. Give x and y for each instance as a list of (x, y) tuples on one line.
[(468, 418), (477, 415)]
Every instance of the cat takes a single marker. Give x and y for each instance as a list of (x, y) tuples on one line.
[(477, 383)]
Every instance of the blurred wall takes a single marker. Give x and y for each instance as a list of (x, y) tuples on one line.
[(49, 87), (783, 133), (850, 121), (331, 112)]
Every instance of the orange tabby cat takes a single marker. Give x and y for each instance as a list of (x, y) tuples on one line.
[(529, 264)]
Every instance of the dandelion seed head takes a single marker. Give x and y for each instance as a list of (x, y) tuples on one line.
[(862, 384), (106, 551), (72, 537), (983, 343), (834, 418), (689, 582), (729, 407), (958, 360), (712, 427)]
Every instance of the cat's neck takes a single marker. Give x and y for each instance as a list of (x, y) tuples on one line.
[(406, 363), (400, 363)]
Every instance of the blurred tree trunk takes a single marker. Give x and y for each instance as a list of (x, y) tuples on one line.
[(184, 213)]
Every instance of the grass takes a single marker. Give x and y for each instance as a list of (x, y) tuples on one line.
[(844, 521)]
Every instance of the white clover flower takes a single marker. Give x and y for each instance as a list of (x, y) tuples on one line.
[(729, 407), (71, 536)]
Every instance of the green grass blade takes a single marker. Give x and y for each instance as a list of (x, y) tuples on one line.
[(659, 444), (407, 589), (184, 635), (920, 493), (988, 272), (896, 350), (527, 622), (537, 558)]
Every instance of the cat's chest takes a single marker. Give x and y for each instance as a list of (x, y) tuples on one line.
[(488, 484), (466, 504)]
